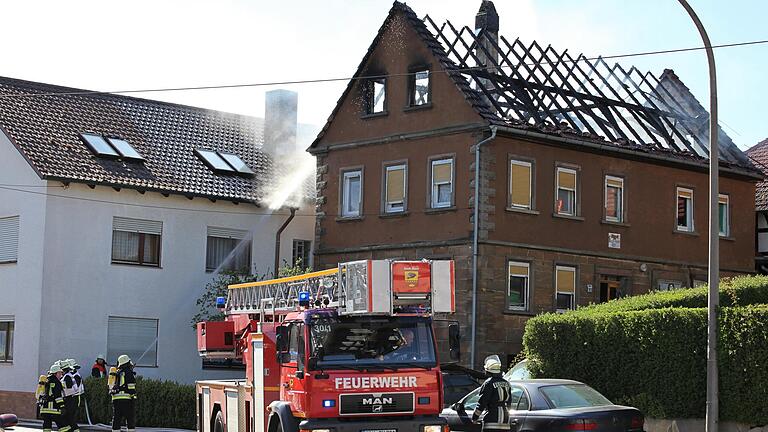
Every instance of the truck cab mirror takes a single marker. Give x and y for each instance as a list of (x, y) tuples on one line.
[(281, 343), (283, 357), (312, 363), (454, 341)]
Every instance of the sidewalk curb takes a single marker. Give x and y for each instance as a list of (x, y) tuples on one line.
[(38, 424)]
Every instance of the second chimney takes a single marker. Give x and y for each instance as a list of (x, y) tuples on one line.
[(280, 122)]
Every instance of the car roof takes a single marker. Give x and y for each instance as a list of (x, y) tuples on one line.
[(545, 382)]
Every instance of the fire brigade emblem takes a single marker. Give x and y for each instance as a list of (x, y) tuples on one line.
[(412, 277)]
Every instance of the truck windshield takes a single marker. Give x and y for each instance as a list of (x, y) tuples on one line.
[(357, 342)]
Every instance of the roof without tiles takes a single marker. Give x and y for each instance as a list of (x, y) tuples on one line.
[(46, 127)]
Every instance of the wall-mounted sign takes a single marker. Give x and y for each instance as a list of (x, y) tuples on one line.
[(614, 240)]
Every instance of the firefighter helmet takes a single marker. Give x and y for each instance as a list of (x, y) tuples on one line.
[(123, 359), (492, 364), (55, 368)]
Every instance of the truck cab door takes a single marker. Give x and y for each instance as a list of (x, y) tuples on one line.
[(293, 375)]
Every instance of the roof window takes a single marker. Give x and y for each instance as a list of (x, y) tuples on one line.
[(222, 162), (110, 147)]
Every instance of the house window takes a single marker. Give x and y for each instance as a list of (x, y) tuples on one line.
[(565, 203), (518, 286), (614, 199), (136, 337), (394, 188), (684, 209), (9, 239), (301, 252), (136, 241), (723, 208), (228, 250), (419, 86), (565, 283), (375, 96), (520, 184), (442, 183), (6, 339), (351, 194)]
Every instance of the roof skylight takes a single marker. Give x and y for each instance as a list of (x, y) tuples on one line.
[(224, 162), (99, 145), (125, 149)]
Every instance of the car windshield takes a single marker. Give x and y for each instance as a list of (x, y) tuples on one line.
[(518, 372), (365, 342), (573, 396)]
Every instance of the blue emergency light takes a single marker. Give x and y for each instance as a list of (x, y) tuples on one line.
[(221, 302), (304, 299), (329, 403)]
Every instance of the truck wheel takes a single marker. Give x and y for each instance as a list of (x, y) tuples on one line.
[(218, 424)]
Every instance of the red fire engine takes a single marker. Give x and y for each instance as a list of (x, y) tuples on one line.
[(350, 349)]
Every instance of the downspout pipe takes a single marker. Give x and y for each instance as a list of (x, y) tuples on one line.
[(277, 239), (475, 241)]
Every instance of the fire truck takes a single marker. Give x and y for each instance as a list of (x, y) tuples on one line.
[(349, 349)]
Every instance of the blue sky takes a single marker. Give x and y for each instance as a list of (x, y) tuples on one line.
[(150, 44)]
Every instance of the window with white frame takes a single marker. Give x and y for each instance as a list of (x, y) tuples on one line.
[(351, 193), (442, 183), (394, 188), (301, 253), (9, 239), (136, 241), (684, 209), (228, 249), (565, 201), (136, 337), (518, 285), (520, 184), (614, 199), (6, 338), (565, 287), (723, 211)]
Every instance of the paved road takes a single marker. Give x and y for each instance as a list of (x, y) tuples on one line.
[(37, 428)]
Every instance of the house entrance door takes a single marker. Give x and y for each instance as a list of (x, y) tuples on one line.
[(610, 287)]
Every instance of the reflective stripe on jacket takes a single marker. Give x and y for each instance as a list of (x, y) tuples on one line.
[(125, 385)]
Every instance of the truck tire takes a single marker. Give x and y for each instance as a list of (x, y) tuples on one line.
[(218, 423)]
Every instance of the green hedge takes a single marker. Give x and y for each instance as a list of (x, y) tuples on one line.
[(159, 403), (655, 359)]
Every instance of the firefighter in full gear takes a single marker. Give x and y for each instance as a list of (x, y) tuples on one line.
[(70, 387), (52, 401), (124, 395), (40, 392), (495, 398), (79, 385)]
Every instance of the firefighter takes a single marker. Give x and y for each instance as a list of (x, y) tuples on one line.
[(71, 389), (52, 401), (124, 395), (79, 382), (495, 398), (99, 368)]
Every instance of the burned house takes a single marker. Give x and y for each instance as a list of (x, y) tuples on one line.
[(553, 180)]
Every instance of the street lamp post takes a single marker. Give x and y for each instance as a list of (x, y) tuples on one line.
[(713, 299)]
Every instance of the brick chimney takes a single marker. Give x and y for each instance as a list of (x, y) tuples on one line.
[(280, 122)]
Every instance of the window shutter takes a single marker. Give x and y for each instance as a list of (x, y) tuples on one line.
[(723, 199), (685, 193), (9, 239), (518, 270), (566, 179), (395, 184), (137, 225), (441, 172), (227, 233), (614, 182), (136, 337), (566, 280), (521, 185)]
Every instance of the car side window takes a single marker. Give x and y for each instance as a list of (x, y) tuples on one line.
[(470, 403), (520, 399)]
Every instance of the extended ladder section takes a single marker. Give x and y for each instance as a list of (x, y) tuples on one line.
[(358, 287)]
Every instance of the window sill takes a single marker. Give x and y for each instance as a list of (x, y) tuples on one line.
[(440, 210), (522, 210), (8, 262), (569, 217), (374, 115), (411, 108), (519, 312), (6, 362), (688, 233), (394, 215), (132, 264), (728, 238), (350, 219), (621, 224)]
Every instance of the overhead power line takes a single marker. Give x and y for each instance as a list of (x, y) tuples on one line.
[(326, 80)]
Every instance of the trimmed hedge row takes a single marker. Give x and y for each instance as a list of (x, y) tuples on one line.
[(655, 359), (738, 291), (159, 403)]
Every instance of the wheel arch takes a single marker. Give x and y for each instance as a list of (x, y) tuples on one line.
[(281, 411)]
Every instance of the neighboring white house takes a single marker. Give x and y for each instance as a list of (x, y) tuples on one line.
[(103, 250)]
